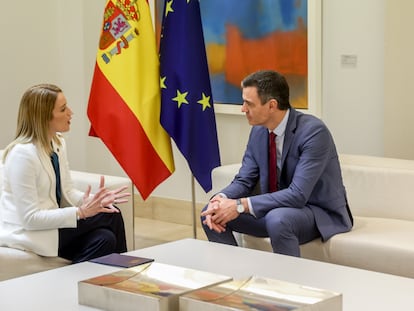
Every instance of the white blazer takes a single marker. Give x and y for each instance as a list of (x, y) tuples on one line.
[(29, 213)]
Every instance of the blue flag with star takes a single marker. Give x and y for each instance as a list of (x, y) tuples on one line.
[(187, 111)]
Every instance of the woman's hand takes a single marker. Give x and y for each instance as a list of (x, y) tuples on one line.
[(102, 201)]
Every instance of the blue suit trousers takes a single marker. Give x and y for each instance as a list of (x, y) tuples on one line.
[(286, 227)]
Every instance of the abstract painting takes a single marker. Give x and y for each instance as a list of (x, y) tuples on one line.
[(242, 36)]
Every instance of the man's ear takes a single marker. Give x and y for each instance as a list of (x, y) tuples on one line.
[(273, 104)]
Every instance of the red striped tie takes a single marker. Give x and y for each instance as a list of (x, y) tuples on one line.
[(272, 163)]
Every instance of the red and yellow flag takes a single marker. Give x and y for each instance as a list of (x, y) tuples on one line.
[(124, 101)]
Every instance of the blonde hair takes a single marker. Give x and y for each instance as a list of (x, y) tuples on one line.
[(35, 112)]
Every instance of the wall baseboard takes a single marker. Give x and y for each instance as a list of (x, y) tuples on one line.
[(169, 210)]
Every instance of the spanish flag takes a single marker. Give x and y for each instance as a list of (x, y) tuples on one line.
[(124, 102)]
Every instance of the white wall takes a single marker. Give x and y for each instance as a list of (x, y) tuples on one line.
[(353, 98), (28, 55), (56, 40), (399, 77)]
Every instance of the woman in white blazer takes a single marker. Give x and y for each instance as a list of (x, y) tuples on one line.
[(41, 212)]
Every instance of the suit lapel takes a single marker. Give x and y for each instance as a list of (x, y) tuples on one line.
[(264, 146), (289, 134)]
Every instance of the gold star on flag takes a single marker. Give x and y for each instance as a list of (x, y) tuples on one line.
[(168, 8), (162, 82), (180, 98), (205, 101)]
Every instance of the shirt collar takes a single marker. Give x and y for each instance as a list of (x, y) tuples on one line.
[(281, 128)]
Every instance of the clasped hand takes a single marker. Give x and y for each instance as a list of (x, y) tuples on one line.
[(219, 212), (103, 200)]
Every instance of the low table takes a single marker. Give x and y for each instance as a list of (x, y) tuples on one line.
[(362, 290)]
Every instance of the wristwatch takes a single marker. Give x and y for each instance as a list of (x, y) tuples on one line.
[(240, 207)]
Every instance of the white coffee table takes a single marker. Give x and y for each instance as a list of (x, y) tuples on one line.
[(361, 289)]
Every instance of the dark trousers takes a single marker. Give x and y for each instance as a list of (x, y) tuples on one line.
[(100, 235), (286, 227)]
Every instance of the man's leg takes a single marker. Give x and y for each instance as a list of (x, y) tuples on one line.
[(290, 227), (245, 223)]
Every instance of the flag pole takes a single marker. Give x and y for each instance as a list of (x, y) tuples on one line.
[(193, 206)]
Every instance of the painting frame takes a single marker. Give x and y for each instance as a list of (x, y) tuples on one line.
[(314, 62)]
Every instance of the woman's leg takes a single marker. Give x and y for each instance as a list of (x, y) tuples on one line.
[(97, 236)]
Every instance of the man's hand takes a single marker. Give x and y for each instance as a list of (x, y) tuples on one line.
[(213, 206), (219, 212)]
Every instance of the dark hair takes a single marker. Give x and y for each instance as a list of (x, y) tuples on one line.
[(270, 85)]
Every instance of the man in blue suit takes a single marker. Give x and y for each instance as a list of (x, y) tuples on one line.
[(308, 199)]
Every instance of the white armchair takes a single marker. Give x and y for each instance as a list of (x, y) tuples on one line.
[(16, 263), (380, 196)]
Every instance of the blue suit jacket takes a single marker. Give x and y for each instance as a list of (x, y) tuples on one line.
[(310, 174)]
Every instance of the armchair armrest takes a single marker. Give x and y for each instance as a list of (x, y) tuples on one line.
[(82, 179), (223, 175)]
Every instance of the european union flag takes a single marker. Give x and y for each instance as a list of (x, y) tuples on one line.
[(187, 111)]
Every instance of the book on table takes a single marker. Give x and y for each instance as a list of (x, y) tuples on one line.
[(121, 260), (258, 293), (151, 286)]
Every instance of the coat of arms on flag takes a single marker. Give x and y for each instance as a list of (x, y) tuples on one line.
[(116, 27)]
